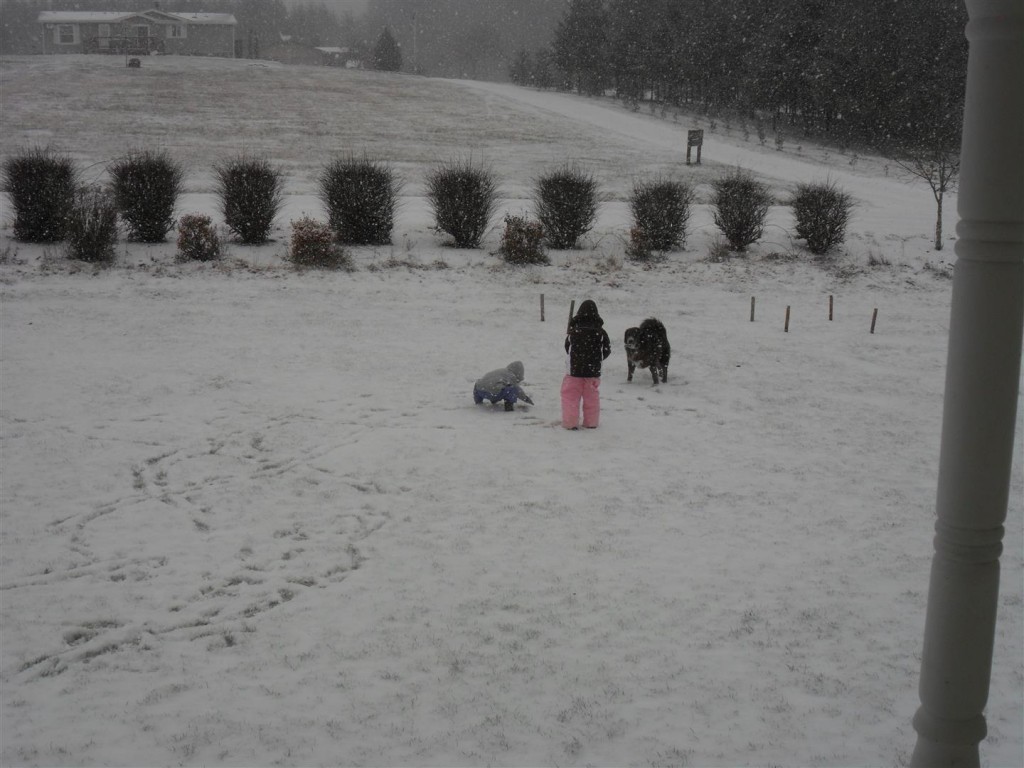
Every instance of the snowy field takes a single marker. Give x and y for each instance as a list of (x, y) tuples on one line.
[(251, 516)]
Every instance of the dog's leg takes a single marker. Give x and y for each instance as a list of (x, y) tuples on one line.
[(654, 375), (631, 367)]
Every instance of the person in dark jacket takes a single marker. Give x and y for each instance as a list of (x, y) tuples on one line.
[(588, 346)]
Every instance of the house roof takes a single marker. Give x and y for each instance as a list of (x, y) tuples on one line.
[(207, 18), (115, 17), (81, 17)]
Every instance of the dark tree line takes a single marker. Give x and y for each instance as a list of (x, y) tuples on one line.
[(475, 39), (887, 74)]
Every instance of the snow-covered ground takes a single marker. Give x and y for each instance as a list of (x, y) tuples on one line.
[(251, 516)]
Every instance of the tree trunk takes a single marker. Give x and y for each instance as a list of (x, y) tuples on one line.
[(938, 224)]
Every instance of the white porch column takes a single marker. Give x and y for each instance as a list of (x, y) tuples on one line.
[(982, 381)]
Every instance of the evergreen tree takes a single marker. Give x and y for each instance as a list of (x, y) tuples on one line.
[(387, 56), (479, 42), (521, 70), (628, 38), (642, 47), (663, 49), (260, 22), (314, 25), (19, 30), (580, 46), (544, 69)]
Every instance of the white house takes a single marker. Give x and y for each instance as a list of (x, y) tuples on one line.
[(153, 31)]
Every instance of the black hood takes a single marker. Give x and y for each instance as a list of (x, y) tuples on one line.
[(587, 315)]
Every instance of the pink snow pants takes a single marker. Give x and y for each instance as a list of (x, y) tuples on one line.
[(574, 389)]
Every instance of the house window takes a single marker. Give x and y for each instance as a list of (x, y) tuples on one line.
[(103, 36), (67, 34), (176, 31)]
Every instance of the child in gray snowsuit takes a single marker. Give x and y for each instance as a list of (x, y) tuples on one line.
[(502, 384)]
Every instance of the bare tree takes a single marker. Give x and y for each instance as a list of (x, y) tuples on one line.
[(939, 168)]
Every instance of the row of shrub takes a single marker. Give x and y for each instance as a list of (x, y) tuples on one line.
[(361, 198)]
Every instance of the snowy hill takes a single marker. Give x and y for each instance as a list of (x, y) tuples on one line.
[(252, 516)]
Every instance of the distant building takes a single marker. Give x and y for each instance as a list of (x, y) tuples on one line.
[(288, 50), (153, 31), (333, 56)]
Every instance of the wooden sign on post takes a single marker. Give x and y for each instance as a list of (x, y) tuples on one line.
[(694, 139)]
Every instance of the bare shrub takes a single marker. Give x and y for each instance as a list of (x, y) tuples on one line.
[(878, 259), (822, 212), (41, 186), (464, 197), (718, 251), (566, 202), (92, 226), (312, 245), (522, 242), (146, 186), (251, 193), (741, 205), (361, 198), (638, 248), (197, 238), (661, 210)]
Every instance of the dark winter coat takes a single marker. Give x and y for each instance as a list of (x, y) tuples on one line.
[(587, 342)]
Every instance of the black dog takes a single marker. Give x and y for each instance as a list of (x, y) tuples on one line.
[(648, 347)]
